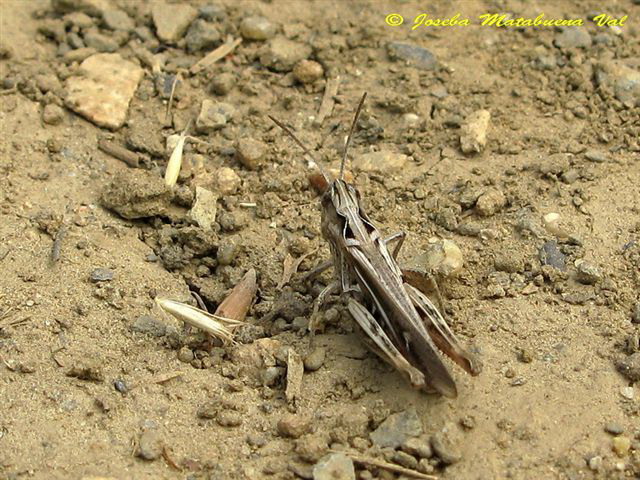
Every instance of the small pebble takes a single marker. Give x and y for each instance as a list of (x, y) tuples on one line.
[(228, 181), (227, 251), (445, 452), (222, 84), (614, 428), (149, 446), (630, 367), (101, 275), (595, 463), (185, 354), (587, 273), (473, 133), (444, 258), (149, 325), (550, 254), (490, 202), (405, 460), (257, 28), (335, 466), (281, 54), (214, 116), (116, 19), (397, 429), (52, 114), (635, 316), (420, 57), (120, 386), (307, 71), (315, 359), (251, 153), (202, 35), (229, 418), (293, 426), (621, 445), (418, 446), (595, 156), (627, 392), (312, 448)]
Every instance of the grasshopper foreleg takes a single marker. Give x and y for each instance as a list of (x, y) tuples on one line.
[(399, 236), (333, 287)]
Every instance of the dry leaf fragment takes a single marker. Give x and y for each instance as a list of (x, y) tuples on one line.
[(237, 303)]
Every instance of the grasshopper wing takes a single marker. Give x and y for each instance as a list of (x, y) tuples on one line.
[(440, 332)]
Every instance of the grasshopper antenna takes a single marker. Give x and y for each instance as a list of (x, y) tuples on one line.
[(353, 127), (324, 173)]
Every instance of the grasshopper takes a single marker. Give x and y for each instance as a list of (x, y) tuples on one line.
[(402, 325)]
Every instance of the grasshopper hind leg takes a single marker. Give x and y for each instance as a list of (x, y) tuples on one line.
[(383, 346)]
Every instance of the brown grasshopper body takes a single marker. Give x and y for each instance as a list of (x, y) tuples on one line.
[(402, 325)]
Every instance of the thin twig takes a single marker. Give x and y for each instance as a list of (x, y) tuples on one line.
[(57, 243), (328, 100), (218, 54), (118, 151), (387, 466), (176, 79)]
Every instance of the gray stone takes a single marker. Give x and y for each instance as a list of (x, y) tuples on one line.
[(116, 19), (202, 36), (444, 450), (573, 37), (77, 55), (630, 367), (397, 429), (100, 42), (413, 54), (596, 156), (635, 316), (103, 92), (101, 275), (227, 251), (149, 446), (624, 80), (588, 273), (212, 12), (614, 428), (213, 116), (90, 7), (281, 54), (78, 19), (223, 83), (257, 28), (149, 325), (551, 255), (418, 446), (335, 466), (172, 20)]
